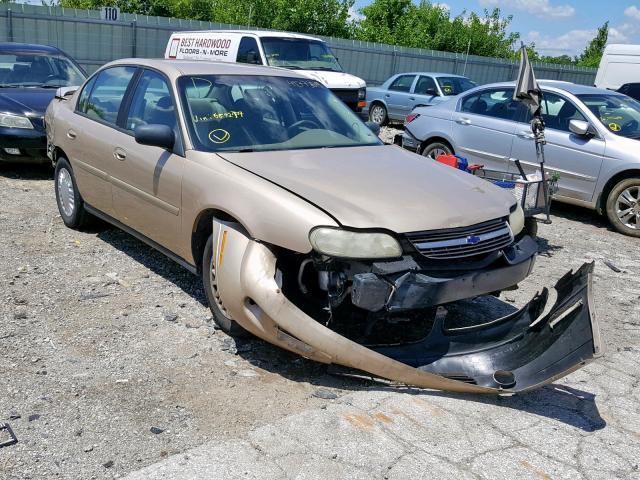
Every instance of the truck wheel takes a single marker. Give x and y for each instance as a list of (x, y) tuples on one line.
[(70, 203), (220, 314), (435, 149), (623, 207), (378, 114)]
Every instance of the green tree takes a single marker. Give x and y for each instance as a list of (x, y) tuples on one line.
[(593, 53)]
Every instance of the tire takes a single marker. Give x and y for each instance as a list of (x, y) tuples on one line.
[(70, 203), (220, 315), (378, 114), (435, 149), (623, 207)]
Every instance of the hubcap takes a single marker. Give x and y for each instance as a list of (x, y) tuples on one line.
[(628, 207), (65, 192), (377, 114), (436, 152), (214, 288)]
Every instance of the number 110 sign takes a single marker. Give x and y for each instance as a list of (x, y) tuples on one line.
[(111, 14)]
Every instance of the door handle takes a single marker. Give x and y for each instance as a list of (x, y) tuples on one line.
[(71, 134), (526, 135), (387, 95), (463, 121), (412, 98), (119, 154)]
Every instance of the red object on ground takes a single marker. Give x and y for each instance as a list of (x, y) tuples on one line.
[(450, 160), (474, 167)]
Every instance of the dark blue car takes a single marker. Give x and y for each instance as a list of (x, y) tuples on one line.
[(29, 78)]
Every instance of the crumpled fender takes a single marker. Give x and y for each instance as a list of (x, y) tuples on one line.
[(246, 271)]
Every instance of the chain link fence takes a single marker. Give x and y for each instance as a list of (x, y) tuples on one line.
[(93, 42)]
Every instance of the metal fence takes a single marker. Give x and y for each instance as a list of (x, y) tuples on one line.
[(93, 42)]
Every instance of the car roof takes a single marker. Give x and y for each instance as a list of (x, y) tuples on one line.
[(28, 47), (177, 68), (572, 88), (259, 33), (431, 74)]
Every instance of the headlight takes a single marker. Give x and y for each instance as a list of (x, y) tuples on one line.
[(14, 121), (362, 94), (348, 244), (516, 219)]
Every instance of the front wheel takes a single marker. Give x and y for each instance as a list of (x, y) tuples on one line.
[(210, 283), (378, 114), (435, 149), (70, 203), (623, 207)]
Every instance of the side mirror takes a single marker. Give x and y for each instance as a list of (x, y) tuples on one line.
[(580, 127), (374, 127), (156, 135), (63, 93)]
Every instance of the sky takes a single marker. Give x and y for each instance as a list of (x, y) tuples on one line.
[(559, 27)]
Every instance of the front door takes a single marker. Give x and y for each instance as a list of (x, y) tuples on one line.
[(397, 96), (147, 180), (484, 126), (424, 92), (575, 159)]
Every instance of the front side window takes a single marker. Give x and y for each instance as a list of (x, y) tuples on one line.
[(299, 54), (402, 83), (426, 86), (248, 51), (497, 103), (151, 103), (455, 85), (259, 113), (620, 114), (84, 95), (38, 70), (558, 111), (107, 94)]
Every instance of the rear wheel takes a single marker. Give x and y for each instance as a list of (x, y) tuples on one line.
[(378, 114), (623, 207), (210, 282), (435, 149), (70, 203)]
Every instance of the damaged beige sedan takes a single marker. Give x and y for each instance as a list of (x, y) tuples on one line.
[(310, 233)]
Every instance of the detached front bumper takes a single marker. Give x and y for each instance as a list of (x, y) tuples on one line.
[(20, 145), (515, 353)]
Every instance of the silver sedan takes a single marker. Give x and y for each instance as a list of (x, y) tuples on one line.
[(592, 142)]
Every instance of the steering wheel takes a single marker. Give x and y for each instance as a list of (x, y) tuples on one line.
[(303, 125), (53, 77)]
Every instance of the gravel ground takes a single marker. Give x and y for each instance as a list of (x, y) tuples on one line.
[(110, 363)]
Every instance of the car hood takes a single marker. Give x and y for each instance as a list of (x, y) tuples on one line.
[(26, 101), (334, 80), (380, 187)]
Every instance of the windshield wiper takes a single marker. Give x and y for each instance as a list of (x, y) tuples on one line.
[(290, 67), (327, 69)]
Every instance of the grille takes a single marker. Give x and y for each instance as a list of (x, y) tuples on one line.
[(479, 239), (345, 95)]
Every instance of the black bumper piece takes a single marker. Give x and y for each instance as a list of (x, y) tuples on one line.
[(519, 352)]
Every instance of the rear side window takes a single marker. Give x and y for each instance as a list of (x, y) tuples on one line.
[(402, 83), (151, 103), (497, 103), (108, 91), (248, 51)]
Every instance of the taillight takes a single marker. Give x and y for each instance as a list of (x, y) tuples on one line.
[(411, 117)]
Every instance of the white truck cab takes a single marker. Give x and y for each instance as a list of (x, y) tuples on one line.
[(620, 64), (306, 55)]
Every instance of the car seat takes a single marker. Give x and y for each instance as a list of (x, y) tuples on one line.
[(163, 112), (567, 113)]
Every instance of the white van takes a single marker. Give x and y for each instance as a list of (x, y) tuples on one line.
[(620, 65), (309, 56)]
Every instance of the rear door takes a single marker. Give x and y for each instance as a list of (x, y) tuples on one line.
[(424, 92), (93, 132), (484, 126), (575, 159), (147, 180), (397, 96)]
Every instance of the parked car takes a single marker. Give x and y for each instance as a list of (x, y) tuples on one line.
[(630, 89), (309, 56), (306, 230), (29, 77), (401, 93), (592, 142)]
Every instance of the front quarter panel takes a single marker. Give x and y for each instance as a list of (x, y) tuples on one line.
[(267, 211)]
